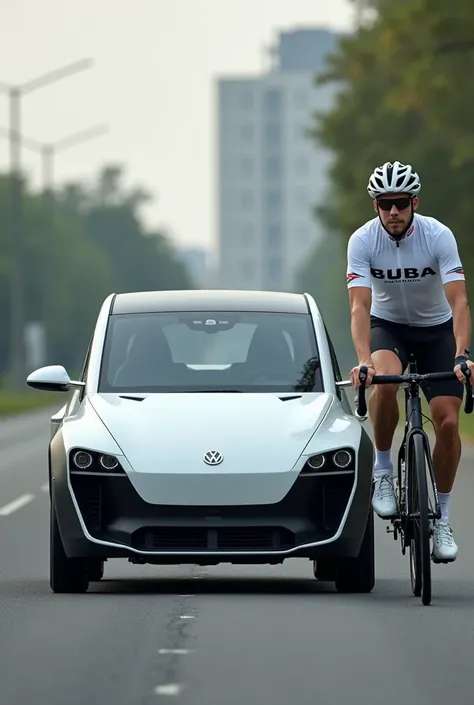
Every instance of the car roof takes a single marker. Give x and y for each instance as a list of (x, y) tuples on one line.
[(209, 300)]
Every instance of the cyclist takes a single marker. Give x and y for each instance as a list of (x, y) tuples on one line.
[(407, 294)]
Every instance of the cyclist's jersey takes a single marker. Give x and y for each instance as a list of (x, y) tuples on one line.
[(407, 280)]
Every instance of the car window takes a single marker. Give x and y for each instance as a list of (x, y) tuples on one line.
[(195, 351)]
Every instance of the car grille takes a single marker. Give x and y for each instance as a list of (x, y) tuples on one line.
[(335, 493), (218, 539), (89, 496)]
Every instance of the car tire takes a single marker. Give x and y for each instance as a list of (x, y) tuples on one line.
[(95, 569), (358, 574), (66, 574), (325, 569)]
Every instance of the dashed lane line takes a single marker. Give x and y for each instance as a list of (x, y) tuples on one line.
[(16, 504)]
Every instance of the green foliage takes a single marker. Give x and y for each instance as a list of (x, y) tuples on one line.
[(12, 403), (96, 245), (401, 95), (321, 277)]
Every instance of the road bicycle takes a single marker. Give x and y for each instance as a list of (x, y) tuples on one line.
[(416, 490)]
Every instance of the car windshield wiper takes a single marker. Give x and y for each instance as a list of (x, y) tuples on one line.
[(216, 391)]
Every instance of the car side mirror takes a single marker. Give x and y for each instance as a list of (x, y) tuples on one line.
[(53, 378)]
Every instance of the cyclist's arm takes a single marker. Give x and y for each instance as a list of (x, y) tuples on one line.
[(457, 297), (452, 276), (360, 297)]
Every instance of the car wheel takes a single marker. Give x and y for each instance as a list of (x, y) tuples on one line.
[(66, 574), (95, 569), (358, 574)]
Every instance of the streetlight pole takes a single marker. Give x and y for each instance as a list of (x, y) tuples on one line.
[(17, 303), (48, 152)]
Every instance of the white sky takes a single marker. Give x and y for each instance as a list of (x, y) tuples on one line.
[(153, 82)]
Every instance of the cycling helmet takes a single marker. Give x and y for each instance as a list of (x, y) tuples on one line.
[(393, 178)]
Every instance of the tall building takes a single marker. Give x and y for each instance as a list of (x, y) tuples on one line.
[(270, 175), (195, 259)]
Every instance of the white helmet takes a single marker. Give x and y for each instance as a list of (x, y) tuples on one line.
[(393, 178)]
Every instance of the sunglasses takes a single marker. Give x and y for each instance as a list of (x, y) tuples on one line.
[(386, 203)]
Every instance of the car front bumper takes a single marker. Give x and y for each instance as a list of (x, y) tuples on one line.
[(105, 517)]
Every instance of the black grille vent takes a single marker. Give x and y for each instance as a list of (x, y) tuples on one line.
[(219, 539), (89, 499)]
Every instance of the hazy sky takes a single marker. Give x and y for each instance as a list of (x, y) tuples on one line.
[(153, 82)]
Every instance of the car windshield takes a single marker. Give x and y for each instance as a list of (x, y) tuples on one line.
[(210, 351)]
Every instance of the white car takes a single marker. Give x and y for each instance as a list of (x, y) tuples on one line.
[(208, 427)]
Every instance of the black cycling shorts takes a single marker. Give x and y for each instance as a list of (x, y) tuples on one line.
[(434, 348)]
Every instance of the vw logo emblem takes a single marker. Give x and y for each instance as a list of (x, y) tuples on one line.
[(213, 457)]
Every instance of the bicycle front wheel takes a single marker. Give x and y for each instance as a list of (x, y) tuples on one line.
[(418, 504)]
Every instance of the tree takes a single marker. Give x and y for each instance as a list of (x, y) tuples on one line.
[(78, 276), (400, 97), (321, 276), (140, 259), (97, 245)]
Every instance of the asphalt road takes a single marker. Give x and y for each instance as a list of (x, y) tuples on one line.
[(225, 635)]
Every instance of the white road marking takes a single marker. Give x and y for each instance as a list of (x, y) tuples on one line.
[(179, 652), (45, 487), (169, 689), (16, 504), (186, 616)]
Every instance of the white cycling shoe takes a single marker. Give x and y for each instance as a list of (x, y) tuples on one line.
[(445, 549), (384, 501)]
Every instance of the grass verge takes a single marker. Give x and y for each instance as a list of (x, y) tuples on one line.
[(12, 403), (466, 421)]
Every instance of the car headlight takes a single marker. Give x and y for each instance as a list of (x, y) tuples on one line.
[(88, 461), (109, 462), (316, 462), (340, 460), (82, 459)]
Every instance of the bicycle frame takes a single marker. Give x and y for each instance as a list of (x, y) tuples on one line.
[(413, 425)]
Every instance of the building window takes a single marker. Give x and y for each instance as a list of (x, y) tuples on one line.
[(247, 166), (246, 100), (275, 270), (248, 234), (247, 132), (272, 100), (273, 200), (301, 98), (247, 199), (273, 134), (248, 269), (274, 234), (273, 166)]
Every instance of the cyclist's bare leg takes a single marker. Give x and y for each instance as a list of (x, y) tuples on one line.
[(446, 456), (383, 411), (447, 447), (383, 405)]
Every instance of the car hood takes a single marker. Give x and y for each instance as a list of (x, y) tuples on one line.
[(164, 438), (172, 432)]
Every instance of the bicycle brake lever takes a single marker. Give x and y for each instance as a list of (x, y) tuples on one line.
[(469, 402), (361, 408)]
